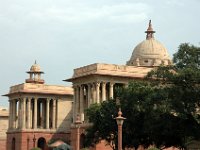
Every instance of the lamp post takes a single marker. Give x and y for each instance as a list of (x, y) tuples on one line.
[(120, 121), (77, 124)]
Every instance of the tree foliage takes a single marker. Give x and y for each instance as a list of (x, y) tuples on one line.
[(163, 110)]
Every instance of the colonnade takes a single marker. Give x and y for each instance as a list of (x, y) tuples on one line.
[(32, 113), (87, 94)]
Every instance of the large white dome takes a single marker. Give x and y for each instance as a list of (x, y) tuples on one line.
[(149, 52)]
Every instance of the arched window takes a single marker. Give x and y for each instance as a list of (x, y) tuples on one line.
[(41, 143)]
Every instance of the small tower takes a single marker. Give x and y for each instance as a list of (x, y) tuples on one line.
[(35, 74)]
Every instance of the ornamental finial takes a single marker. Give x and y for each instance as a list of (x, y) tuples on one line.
[(150, 31)]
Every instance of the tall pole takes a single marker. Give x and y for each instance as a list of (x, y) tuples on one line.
[(77, 124), (119, 137), (120, 121)]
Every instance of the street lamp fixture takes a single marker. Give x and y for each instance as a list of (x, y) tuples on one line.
[(120, 121), (77, 125)]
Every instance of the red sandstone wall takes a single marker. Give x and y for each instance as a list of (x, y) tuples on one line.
[(2, 144), (25, 140)]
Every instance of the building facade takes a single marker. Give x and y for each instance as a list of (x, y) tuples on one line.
[(38, 112), (97, 82), (4, 114)]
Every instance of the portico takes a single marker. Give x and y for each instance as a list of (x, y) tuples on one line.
[(95, 83), (33, 113)]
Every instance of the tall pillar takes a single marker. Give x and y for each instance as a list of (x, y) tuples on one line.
[(75, 103), (93, 93), (78, 100), (29, 113), (14, 114), (19, 113), (82, 102), (97, 92), (103, 91), (89, 95), (54, 114), (47, 113), (111, 90), (23, 113), (35, 114), (10, 114), (43, 115)]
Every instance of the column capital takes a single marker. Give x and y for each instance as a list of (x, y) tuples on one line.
[(112, 83), (48, 99), (89, 84), (97, 83), (82, 85), (74, 86), (103, 83)]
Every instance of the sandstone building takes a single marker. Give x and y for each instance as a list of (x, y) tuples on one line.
[(3, 127), (96, 82), (39, 112)]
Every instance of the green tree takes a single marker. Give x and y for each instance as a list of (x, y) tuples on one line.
[(182, 87), (163, 111)]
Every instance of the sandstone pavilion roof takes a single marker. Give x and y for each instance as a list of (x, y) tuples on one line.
[(146, 56), (149, 52), (35, 85)]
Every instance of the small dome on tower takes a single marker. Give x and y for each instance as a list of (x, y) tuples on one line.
[(35, 74), (149, 52), (35, 68)]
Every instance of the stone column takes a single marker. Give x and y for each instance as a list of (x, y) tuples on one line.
[(14, 114), (78, 100), (23, 113), (47, 113), (35, 114), (43, 115), (103, 91), (29, 113), (19, 113), (82, 102), (93, 93), (111, 90), (54, 114), (89, 95), (10, 114), (74, 103), (97, 92)]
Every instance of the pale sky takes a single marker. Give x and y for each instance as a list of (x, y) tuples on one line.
[(65, 34)]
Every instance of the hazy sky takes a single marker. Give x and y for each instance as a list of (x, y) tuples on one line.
[(65, 34)]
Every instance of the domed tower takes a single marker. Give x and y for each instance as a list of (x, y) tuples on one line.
[(35, 74), (149, 52)]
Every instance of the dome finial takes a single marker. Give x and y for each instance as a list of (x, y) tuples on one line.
[(150, 31), (35, 62)]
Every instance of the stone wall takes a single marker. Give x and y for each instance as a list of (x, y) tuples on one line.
[(3, 127)]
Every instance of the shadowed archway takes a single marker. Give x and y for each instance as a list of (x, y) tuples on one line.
[(13, 144), (41, 143)]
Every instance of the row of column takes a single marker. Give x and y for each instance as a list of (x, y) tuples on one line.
[(30, 113), (87, 94)]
